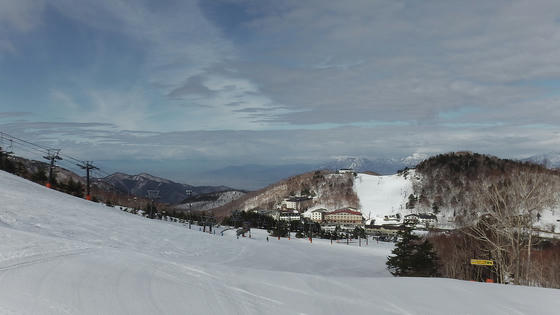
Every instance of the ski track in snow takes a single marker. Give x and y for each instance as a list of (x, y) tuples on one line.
[(64, 255)]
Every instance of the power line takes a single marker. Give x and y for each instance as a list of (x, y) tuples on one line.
[(33, 148), (55, 155), (66, 156), (19, 147), (70, 166), (24, 141)]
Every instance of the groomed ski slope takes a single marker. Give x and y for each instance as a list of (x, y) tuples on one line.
[(382, 195), (64, 255)]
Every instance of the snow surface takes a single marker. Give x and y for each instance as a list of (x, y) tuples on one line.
[(223, 198), (64, 255), (383, 195)]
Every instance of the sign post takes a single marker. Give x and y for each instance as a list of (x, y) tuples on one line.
[(482, 262)]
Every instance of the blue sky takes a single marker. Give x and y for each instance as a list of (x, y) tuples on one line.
[(207, 84)]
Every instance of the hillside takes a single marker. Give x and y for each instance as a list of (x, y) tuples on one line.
[(117, 186), (256, 176), (451, 184), (444, 185), (329, 190), (65, 255), (383, 195), (209, 201), (550, 159), (169, 191), (384, 166)]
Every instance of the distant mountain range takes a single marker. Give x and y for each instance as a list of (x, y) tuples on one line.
[(256, 176), (253, 176), (383, 166), (169, 191), (551, 159), (247, 176)]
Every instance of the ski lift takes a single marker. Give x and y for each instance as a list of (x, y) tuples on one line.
[(10, 151)]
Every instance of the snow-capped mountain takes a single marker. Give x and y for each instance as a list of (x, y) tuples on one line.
[(551, 159), (383, 166)]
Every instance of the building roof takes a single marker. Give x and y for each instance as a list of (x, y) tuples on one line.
[(345, 211), (298, 198), (289, 214), (320, 210), (287, 211), (421, 216), (427, 216)]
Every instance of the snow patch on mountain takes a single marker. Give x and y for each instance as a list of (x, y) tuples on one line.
[(414, 159), (221, 199), (551, 159), (383, 195), (148, 177)]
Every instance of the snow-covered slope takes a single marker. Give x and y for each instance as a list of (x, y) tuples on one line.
[(210, 201), (63, 255), (383, 195)]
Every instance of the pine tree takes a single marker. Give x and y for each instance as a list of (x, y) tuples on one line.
[(40, 175), (5, 163), (281, 229), (412, 257)]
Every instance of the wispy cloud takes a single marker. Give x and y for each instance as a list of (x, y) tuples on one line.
[(13, 114), (271, 81)]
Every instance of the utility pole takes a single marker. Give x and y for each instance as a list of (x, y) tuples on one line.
[(188, 192), (88, 166), (152, 195), (52, 156)]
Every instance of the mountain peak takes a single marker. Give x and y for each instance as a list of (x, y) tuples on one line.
[(550, 159), (153, 178)]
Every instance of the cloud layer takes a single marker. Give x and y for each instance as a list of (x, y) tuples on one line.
[(247, 81)]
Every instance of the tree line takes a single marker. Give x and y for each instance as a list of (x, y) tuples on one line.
[(500, 205)]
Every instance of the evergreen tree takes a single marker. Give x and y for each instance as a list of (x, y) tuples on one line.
[(40, 175), (72, 187), (359, 232), (411, 202), (5, 163), (412, 257), (435, 208), (281, 229)]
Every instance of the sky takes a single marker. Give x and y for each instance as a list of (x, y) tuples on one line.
[(179, 87)]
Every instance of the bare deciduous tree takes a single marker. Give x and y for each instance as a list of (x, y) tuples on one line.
[(508, 210)]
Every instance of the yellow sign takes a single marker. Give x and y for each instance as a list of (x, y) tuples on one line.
[(482, 262)]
